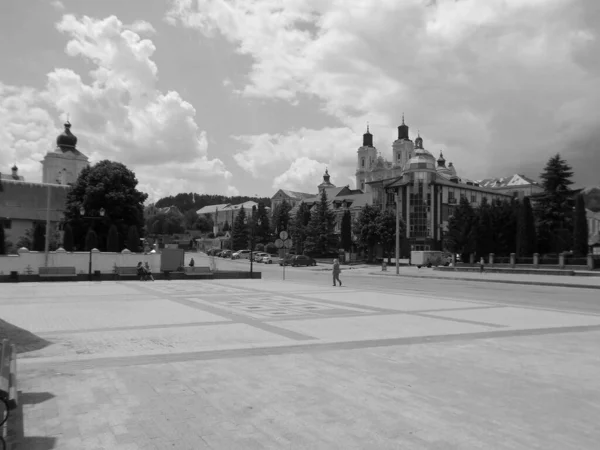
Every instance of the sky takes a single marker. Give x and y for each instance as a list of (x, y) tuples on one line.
[(251, 96)]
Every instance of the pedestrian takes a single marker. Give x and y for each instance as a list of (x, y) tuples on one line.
[(481, 264), (192, 262), (141, 271), (336, 272), (148, 271)]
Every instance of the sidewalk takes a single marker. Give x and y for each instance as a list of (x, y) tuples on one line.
[(530, 279)]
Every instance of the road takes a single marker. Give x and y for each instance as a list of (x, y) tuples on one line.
[(547, 297)]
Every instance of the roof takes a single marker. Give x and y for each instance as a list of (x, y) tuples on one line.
[(170, 210), (11, 177), (295, 194), (28, 201), (513, 180), (212, 208)]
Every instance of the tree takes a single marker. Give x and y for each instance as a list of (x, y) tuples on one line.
[(299, 225), (386, 232), (346, 231), (484, 233), (580, 227), (461, 230), (320, 232), (526, 234), (205, 224), (91, 240), (133, 239), (281, 218), (263, 228), (189, 219), (112, 243), (226, 226), (271, 248), (109, 185), (68, 243), (366, 230), (240, 231), (2, 240), (39, 237), (553, 206)]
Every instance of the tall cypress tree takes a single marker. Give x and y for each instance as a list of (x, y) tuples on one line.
[(39, 237), (320, 232), (112, 242), (240, 231), (133, 239), (2, 240), (346, 231), (553, 206), (484, 230), (68, 239), (526, 233), (580, 227), (91, 240)]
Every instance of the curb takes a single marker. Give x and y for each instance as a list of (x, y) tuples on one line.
[(487, 280)]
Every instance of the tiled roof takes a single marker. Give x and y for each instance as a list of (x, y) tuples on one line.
[(297, 195), (210, 209), (28, 201), (513, 180)]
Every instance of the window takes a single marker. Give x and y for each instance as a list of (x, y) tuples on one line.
[(6, 223), (362, 185), (451, 194), (362, 162), (391, 198), (473, 198), (398, 154), (420, 216)]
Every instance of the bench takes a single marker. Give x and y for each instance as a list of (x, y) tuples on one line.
[(8, 385), (46, 272), (196, 270), (127, 271)]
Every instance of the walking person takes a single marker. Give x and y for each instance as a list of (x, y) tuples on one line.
[(192, 262), (148, 271), (481, 264), (336, 272)]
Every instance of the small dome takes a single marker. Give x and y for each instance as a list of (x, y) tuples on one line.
[(452, 169), (420, 161), (66, 140), (419, 142), (14, 168)]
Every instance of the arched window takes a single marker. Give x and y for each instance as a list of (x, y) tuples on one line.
[(362, 163)]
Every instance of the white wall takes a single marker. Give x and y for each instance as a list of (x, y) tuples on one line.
[(29, 262)]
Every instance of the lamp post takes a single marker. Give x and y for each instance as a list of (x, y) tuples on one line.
[(102, 211), (252, 222), (397, 232)]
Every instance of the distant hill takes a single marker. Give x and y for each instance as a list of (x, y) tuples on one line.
[(185, 202)]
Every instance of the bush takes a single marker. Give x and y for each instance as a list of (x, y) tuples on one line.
[(211, 235), (271, 248), (260, 248)]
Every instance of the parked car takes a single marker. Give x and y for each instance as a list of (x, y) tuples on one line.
[(269, 259), (241, 254), (297, 260), (258, 256), (226, 254)]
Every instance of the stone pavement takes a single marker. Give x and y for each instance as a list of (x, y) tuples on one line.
[(256, 364)]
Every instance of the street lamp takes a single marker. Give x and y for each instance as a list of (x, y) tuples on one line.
[(253, 223), (102, 211)]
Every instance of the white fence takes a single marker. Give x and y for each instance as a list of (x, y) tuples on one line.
[(27, 262)]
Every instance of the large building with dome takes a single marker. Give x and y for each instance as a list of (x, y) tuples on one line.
[(24, 204)]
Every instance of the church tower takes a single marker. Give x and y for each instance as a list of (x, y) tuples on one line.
[(402, 148), (65, 163), (326, 184), (367, 156)]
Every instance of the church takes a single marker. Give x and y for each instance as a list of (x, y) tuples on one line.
[(24, 204), (425, 189)]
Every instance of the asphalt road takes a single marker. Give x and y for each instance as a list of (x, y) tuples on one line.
[(547, 297)]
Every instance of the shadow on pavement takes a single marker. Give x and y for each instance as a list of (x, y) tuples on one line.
[(23, 339), (16, 426), (34, 398)]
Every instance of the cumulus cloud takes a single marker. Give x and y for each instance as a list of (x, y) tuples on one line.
[(119, 114), (498, 85), (296, 177), (57, 4)]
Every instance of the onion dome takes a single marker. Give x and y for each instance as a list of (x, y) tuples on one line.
[(403, 130), (66, 140), (367, 138), (419, 142), (452, 169), (441, 162)]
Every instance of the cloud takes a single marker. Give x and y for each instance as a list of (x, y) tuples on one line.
[(142, 27), (298, 177), (120, 114), (499, 85), (57, 4)]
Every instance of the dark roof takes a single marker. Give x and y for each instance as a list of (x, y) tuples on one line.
[(27, 201)]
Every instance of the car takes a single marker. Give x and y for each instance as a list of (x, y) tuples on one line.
[(226, 254), (258, 256), (269, 259), (297, 260), (241, 254)]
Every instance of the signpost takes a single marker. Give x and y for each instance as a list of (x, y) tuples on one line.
[(284, 243)]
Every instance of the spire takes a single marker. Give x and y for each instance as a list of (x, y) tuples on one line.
[(403, 130), (441, 161), (419, 140), (326, 176), (367, 138)]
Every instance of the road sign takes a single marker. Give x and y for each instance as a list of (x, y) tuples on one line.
[(288, 243), (283, 235), (279, 243)]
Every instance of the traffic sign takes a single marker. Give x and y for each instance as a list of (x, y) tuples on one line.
[(288, 243), (283, 235), (279, 243)]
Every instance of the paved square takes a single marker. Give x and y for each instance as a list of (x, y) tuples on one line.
[(257, 364)]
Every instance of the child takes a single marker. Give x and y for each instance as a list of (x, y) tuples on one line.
[(148, 271)]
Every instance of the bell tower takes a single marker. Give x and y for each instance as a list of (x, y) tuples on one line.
[(367, 156), (66, 162), (402, 148)]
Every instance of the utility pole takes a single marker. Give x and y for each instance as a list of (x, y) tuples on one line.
[(47, 240), (397, 232)]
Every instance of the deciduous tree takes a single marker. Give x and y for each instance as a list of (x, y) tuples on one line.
[(526, 233), (366, 229), (68, 242), (112, 244), (461, 230), (580, 227), (320, 232)]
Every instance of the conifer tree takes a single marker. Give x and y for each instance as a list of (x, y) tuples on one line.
[(580, 227), (263, 226), (346, 231), (526, 232), (2, 240), (462, 230), (240, 231), (366, 229), (320, 232), (91, 240), (68, 238), (39, 237), (133, 239), (299, 225)]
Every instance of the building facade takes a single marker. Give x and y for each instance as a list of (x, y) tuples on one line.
[(24, 204)]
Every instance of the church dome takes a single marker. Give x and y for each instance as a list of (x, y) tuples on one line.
[(421, 161), (66, 140)]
